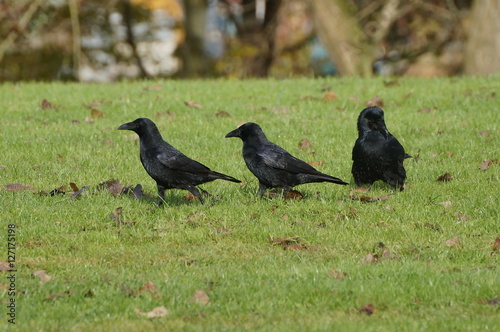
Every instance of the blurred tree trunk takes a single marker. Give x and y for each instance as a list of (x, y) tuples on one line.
[(194, 61), (483, 45), (343, 39)]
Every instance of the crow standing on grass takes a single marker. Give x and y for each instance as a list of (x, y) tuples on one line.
[(377, 155), (273, 166), (169, 167)]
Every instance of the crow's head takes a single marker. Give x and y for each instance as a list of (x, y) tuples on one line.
[(141, 126), (372, 118), (247, 131)]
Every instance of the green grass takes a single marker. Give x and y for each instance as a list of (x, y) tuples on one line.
[(223, 247)]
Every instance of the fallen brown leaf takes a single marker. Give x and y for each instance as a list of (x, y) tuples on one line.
[(445, 177), (375, 101), (305, 144), (484, 133), (337, 274), (157, 312), (14, 187), (492, 301), (96, 113), (330, 96), (487, 163), (113, 186), (453, 242), (200, 297), (367, 309), (44, 277), (446, 204), (47, 105), (55, 296), (190, 197), (370, 258), (74, 187), (222, 114), (4, 266), (316, 163), (293, 194), (191, 103), (496, 244), (148, 287)]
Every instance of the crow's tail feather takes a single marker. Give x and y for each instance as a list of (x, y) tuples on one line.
[(328, 178), (226, 177)]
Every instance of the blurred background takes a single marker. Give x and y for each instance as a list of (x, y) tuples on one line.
[(105, 41)]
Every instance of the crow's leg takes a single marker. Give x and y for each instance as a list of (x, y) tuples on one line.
[(193, 190), (262, 189), (161, 195)]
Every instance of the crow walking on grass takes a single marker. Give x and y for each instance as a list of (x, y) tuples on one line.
[(169, 167), (273, 166), (377, 155)]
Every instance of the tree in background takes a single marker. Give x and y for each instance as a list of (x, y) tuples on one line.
[(91, 40)]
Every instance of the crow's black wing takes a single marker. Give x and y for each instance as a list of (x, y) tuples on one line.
[(278, 158), (180, 162)]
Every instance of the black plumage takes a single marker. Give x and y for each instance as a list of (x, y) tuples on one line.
[(377, 155), (273, 166), (169, 167)]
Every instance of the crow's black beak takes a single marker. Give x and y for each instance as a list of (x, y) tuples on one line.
[(234, 133), (127, 126)]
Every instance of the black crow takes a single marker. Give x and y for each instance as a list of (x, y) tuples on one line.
[(169, 167), (273, 166), (377, 155)]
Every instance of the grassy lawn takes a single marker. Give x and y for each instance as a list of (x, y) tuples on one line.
[(419, 260)]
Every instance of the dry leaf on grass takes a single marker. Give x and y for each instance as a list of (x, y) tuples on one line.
[(370, 258), (445, 177), (330, 96), (200, 297), (487, 163), (375, 101), (293, 194), (305, 144), (367, 309), (96, 113), (148, 288), (453, 242), (191, 103), (492, 301), (4, 266), (337, 274), (316, 163), (496, 246), (55, 296), (48, 105), (15, 187), (446, 204), (42, 274), (157, 312), (222, 114)]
